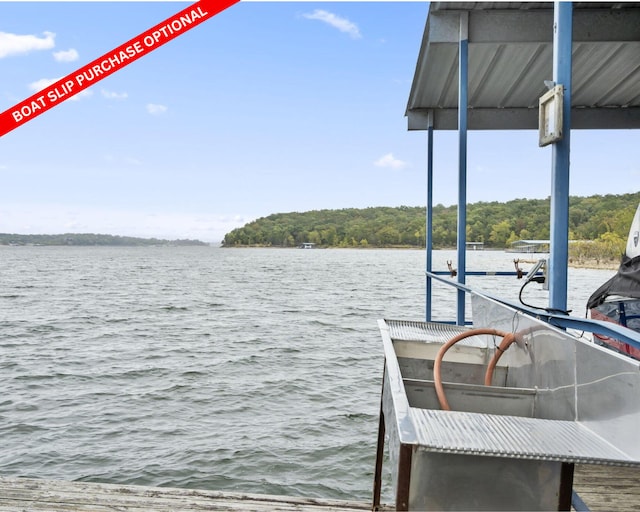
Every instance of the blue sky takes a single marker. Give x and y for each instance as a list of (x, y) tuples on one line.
[(267, 107)]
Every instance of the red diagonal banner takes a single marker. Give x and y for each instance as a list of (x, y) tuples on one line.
[(110, 62)]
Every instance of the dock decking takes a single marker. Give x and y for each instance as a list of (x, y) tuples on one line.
[(602, 488), (31, 495), (608, 488)]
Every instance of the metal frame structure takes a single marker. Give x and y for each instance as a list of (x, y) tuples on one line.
[(487, 63), (559, 255), (554, 400), (513, 437)]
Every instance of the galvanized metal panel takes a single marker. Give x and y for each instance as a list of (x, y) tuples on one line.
[(510, 56), (513, 437), (558, 400), (467, 482), (430, 332), (473, 398)]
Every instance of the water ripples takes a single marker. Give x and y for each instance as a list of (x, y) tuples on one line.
[(240, 370)]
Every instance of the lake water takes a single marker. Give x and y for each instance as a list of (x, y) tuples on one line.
[(247, 370)]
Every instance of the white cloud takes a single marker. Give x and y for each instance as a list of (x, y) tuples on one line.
[(342, 24), (14, 44), (155, 109), (66, 55), (82, 94), (389, 160), (43, 83), (111, 95)]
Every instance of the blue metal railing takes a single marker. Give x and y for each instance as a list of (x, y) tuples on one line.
[(485, 273), (609, 329), (577, 503)]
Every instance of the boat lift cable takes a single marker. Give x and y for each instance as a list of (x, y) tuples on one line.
[(533, 277), (548, 310)]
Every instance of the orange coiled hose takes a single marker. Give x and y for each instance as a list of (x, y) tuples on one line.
[(508, 339)]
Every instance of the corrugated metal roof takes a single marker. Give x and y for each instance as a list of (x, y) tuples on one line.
[(510, 57)]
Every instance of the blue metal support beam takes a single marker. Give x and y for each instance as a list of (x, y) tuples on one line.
[(559, 251), (429, 224), (463, 100)]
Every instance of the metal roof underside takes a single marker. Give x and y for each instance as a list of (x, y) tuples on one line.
[(510, 57)]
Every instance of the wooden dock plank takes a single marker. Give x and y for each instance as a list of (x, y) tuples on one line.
[(608, 488), (602, 488), (18, 494)]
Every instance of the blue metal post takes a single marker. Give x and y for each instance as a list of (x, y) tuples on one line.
[(429, 224), (463, 58), (559, 252)]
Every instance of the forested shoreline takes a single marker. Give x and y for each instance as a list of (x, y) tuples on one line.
[(601, 218), (86, 239)]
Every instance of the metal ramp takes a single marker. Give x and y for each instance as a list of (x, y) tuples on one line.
[(513, 437), (554, 402)]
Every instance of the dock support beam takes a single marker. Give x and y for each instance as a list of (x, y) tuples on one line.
[(559, 251), (429, 221), (463, 100)]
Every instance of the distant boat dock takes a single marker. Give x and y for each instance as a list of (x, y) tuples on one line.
[(529, 246)]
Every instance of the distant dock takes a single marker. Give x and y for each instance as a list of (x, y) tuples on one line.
[(601, 488)]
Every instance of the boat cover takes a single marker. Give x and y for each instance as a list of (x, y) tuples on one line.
[(626, 283)]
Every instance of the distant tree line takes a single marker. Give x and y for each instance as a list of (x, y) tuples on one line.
[(606, 217), (88, 239)]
